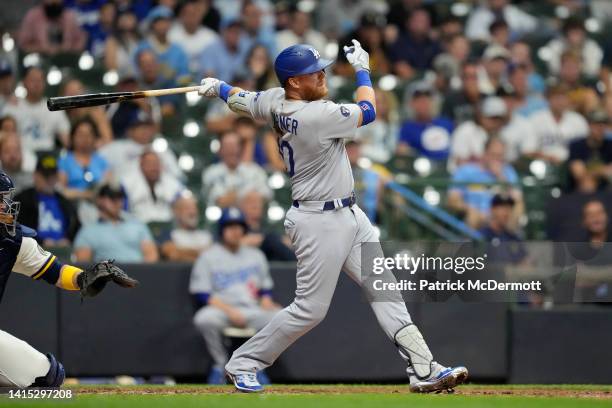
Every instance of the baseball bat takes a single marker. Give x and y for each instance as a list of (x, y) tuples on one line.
[(105, 98)]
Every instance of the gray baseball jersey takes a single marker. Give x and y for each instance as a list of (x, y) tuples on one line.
[(311, 144), (235, 278)]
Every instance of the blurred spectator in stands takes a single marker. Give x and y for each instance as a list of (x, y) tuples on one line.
[(473, 186), (497, 227), (174, 63), (494, 68), (82, 168), (49, 29), (527, 103), (150, 77), (116, 235), (121, 44), (8, 124), (232, 287), (185, 240), (95, 113), (122, 114), (38, 127), (480, 19), (300, 32), (379, 140), (255, 31), (282, 15), (425, 134), (15, 161), (123, 155), (369, 185), (98, 32), (7, 84), (499, 33), (555, 127), (252, 151), (225, 56), (190, 34), (461, 105), (590, 158), (456, 53), (276, 247), (336, 18), (399, 11), (450, 27), (370, 34), (518, 133), (575, 39), (415, 49), (260, 67), (520, 54), (151, 192), (221, 182), (595, 221), (583, 98), (469, 138), (212, 17), (45, 209)]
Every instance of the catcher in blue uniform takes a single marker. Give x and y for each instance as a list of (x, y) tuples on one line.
[(20, 364)]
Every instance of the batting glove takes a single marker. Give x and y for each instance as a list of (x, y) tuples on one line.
[(357, 56), (210, 87)]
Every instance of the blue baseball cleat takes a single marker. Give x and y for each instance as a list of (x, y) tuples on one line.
[(246, 382), (445, 380)]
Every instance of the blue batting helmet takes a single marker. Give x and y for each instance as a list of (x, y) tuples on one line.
[(230, 216), (299, 59)]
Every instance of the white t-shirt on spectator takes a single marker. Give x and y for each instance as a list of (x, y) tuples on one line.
[(218, 180), (123, 156), (591, 56), (140, 198), (477, 25), (193, 44), (552, 137), (37, 126), (469, 140), (287, 38)]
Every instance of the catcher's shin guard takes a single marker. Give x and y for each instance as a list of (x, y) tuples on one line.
[(411, 344), (54, 377)]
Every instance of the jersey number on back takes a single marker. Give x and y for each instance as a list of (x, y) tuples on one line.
[(288, 160)]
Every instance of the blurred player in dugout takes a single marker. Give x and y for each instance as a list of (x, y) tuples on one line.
[(232, 287)]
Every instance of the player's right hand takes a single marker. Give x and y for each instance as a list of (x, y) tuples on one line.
[(237, 318), (357, 56), (210, 87)]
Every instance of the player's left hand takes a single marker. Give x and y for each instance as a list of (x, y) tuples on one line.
[(357, 56), (93, 279), (210, 87)]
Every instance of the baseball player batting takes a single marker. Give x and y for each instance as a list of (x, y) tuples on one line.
[(324, 223), (20, 364)]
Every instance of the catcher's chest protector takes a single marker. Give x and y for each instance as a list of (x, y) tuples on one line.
[(9, 249)]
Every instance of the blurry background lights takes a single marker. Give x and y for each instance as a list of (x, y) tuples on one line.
[(275, 212), (186, 162), (86, 62), (191, 129), (213, 213)]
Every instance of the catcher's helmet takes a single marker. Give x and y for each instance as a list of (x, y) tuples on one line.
[(230, 216), (299, 59), (9, 209)]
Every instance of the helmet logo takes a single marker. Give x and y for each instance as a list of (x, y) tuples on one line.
[(315, 53)]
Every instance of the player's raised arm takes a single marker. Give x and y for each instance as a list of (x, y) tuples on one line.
[(238, 100), (364, 97)]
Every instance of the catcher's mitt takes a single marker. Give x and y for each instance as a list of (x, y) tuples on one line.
[(93, 279)]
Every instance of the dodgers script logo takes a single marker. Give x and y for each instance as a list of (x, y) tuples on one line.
[(315, 53)]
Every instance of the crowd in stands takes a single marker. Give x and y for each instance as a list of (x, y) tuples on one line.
[(478, 88)]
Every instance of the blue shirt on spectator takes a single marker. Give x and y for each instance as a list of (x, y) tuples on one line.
[(431, 140), (174, 63), (217, 60), (418, 53), (82, 178), (532, 104), (52, 223), (121, 241), (475, 184)]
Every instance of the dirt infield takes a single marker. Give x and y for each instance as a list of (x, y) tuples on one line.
[(568, 391)]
